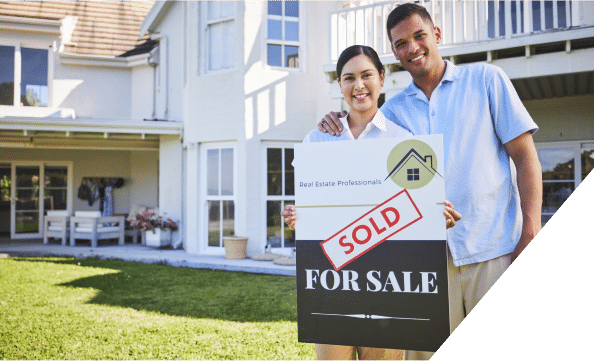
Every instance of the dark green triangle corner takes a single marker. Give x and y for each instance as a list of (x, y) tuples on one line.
[(542, 307)]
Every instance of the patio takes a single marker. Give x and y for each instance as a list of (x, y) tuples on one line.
[(140, 253)]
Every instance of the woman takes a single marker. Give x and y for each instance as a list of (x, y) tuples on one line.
[(361, 78)]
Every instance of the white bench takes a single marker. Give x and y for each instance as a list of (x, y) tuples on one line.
[(56, 225), (90, 225)]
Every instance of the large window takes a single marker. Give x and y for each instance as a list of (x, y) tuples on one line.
[(283, 35), (23, 76), (280, 186), (564, 166), (220, 195), (220, 35)]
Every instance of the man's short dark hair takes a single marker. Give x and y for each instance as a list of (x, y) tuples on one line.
[(402, 12)]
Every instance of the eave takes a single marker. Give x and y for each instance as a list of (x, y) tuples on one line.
[(104, 61), (155, 16), (21, 24), (91, 126)]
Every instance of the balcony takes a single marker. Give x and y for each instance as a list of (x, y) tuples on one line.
[(472, 30)]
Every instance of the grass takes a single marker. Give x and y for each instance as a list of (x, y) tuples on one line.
[(65, 308)]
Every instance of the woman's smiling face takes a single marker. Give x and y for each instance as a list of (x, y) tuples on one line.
[(361, 84)]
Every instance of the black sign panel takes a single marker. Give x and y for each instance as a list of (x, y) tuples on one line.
[(395, 296)]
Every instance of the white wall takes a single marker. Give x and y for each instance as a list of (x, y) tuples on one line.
[(93, 92), (144, 178), (563, 119), (171, 64), (170, 180), (246, 106), (141, 95)]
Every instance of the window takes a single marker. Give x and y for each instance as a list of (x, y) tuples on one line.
[(280, 191), (23, 76), (220, 195), (412, 174), (220, 35), (56, 188), (564, 166), (283, 35)]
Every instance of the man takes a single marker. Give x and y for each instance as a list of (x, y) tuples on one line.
[(484, 124)]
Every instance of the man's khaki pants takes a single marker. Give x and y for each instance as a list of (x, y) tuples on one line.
[(467, 285)]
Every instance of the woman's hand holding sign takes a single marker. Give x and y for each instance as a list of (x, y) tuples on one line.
[(290, 216)]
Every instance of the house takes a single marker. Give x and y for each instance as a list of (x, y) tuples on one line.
[(412, 170), (76, 103), (250, 79), (228, 88)]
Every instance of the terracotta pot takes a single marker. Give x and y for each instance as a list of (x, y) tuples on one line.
[(235, 247)]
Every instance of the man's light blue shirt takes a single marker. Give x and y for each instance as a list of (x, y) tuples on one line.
[(477, 110)]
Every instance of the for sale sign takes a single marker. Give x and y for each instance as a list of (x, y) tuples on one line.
[(371, 249)]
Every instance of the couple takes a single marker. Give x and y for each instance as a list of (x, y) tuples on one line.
[(492, 171)]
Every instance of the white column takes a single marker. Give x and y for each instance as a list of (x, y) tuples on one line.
[(170, 180)]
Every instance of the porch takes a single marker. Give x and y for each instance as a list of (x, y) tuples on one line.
[(548, 42), (471, 30), (67, 153), (140, 253)]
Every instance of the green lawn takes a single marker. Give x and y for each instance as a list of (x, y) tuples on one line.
[(65, 308)]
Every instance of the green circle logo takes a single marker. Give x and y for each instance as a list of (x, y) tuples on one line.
[(412, 164)]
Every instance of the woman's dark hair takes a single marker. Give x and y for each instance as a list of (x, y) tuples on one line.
[(352, 51), (402, 12)]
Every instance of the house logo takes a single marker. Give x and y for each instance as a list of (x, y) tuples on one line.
[(412, 164)]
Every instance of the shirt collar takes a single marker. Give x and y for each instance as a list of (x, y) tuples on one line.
[(452, 73), (379, 121)]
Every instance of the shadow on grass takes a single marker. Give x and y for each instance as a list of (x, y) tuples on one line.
[(181, 291)]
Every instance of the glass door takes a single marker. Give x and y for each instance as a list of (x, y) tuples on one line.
[(5, 191), (26, 208)]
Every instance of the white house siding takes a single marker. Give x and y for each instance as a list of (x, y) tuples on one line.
[(94, 92), (171, 48), (141, 95), (170, 180), (246, 107), (144, 182)]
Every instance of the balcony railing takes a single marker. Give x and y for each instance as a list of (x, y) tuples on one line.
[(462, 22)]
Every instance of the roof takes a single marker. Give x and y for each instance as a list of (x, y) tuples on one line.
[(104, 28)]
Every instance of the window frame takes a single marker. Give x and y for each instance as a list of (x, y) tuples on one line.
[(204, 148), (18, 71), (578, 147), (283, 198), (204, 38), (69, 165), (301, 43)]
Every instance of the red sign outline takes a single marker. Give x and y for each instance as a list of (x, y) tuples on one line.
[(373, 246)]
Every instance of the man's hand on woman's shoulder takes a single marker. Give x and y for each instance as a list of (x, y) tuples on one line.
[(331, 123)]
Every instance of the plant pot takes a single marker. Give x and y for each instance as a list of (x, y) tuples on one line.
[(160, 237), (235, 247)]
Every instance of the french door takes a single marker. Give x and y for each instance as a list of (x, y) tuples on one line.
[(37, 187)]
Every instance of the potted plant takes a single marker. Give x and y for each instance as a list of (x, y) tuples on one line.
[(156, 229)]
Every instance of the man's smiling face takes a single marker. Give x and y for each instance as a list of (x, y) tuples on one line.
[(414, 44)]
